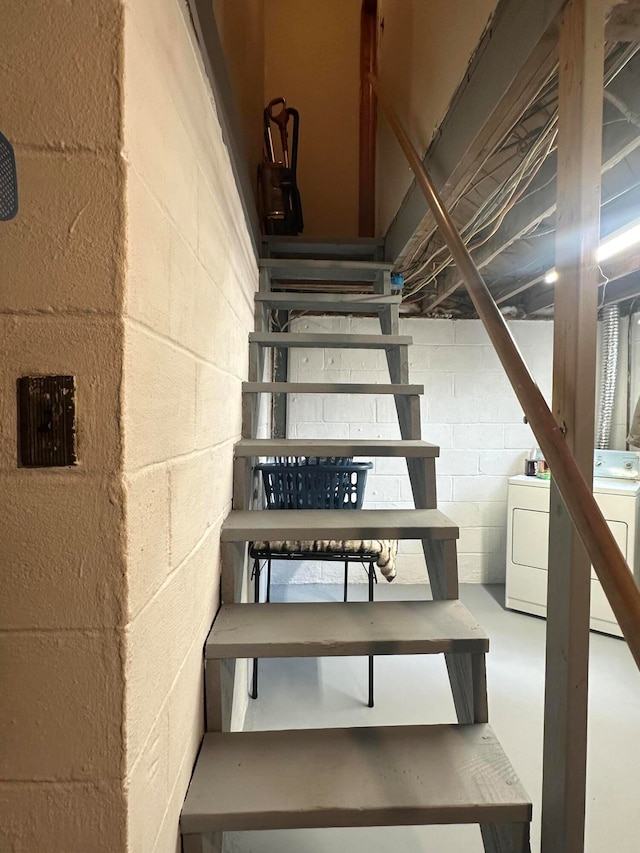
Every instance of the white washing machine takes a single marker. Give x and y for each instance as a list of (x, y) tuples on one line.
[(528, 537)]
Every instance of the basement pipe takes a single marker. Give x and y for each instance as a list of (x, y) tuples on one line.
[(609, 368), (633, 431)]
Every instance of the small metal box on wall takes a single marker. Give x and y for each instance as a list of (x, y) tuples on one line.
[(46, 421)]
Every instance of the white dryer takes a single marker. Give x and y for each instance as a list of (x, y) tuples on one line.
[(528, 543)]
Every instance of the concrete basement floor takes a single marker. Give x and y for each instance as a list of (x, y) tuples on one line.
[(324, 692)]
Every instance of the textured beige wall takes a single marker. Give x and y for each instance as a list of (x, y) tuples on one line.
[(242, 37), (425, 48), (63, 587), (189, 306), (312, 58), (129, 258)]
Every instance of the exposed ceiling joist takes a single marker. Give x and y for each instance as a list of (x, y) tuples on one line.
[(625, 267), (539, 203), (623, 22), (617, 211), (615, 214), (516, 56)]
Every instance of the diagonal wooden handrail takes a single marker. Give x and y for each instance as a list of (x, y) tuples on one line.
[(611, 568)]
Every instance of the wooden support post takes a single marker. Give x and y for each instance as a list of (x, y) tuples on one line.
[(368, 118), (574, 365)]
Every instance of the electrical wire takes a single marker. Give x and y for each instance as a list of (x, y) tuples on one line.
[(428, 259), (494, 208)]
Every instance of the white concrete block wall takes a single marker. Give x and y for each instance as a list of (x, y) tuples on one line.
[(189, 307), (63, 588), (468, 409)]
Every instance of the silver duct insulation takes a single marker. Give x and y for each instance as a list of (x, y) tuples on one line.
[(610, 340)]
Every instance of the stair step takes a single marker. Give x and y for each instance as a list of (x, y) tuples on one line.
[(344, 628), (345, 303), (293, 269), (325, 247), (304, 524), (305, 340), (378, 776), (335, 447), (329, 388)]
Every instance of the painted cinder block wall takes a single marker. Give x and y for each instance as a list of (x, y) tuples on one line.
[(63, 590), (468, 409), (130, 267), (189, 307)]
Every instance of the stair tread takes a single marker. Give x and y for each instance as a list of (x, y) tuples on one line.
[(344, 628), (334, 447), (290, 240), (311, 339), (324, 247), (360, 303), (304, 524), (282, 269), (329, 388), (374, 776)]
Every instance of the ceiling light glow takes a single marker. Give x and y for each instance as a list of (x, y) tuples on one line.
[(608, 248), (614, 245)]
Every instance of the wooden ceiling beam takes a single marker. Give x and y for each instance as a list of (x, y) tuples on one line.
[(574, 377)]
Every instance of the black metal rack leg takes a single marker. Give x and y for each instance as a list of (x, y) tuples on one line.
[(372, 575), (346, 580), (256, 598)]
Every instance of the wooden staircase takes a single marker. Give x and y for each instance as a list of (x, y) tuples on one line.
[(373, 776)]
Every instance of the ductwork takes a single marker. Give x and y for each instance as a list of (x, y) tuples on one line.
[(609, 370)]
